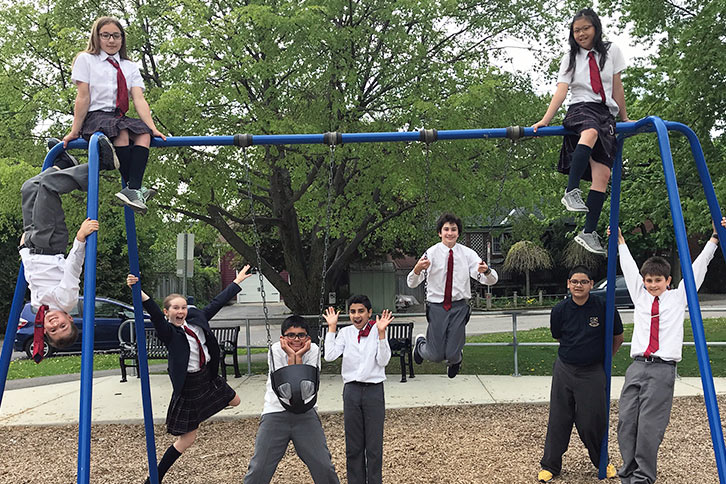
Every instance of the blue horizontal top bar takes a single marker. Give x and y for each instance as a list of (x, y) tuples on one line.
[(629, 128)]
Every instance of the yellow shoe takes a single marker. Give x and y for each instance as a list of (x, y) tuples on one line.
[(610, 471), (545, 476)]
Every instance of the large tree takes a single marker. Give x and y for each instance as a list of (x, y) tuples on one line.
[(272, 67)]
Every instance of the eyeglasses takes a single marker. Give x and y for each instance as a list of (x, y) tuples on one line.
[(582, 29), (294, 336), (583, 282), (106, 35)]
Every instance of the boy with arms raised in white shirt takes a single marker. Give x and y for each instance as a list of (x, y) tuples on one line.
[(447, 267), (365, 357), (647, 395)]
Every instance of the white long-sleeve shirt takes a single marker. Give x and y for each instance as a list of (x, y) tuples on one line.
[(54, 280), (671, 306), (272, 404), (363, 361), (466, 263)]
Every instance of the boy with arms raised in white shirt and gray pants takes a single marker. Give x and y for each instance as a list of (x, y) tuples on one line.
[(647, 395), (447, 267), (365, 357)]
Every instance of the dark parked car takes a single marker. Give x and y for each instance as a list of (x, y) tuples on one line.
[(622, 296), (109, 314)]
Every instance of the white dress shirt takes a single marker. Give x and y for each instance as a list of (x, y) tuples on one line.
[(671, 306), (100, 76), (53, 279), (466, 263), (272, 404), (193, 364), (579, 78), (363, 361)]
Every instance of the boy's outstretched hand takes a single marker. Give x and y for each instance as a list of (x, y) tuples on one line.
[(87, 228), (243, 274), (382, 322), (131, 280), (331, 317)]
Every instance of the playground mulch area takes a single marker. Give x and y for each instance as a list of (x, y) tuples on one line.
[(473, 444)]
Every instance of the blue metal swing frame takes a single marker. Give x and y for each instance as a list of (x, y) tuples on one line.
[(624, 130)]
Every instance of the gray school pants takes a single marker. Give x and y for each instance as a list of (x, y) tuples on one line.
[(577, 397), (306, 432), (44, 221), (446, 333), (645, 410), (364, 409)]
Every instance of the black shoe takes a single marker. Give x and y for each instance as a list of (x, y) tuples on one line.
[(416, 355), (107, 159), (454, 369), (64, 160)]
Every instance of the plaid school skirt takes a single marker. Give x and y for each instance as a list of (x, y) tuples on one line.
[(582, 116), (200, 399), (111, 125)]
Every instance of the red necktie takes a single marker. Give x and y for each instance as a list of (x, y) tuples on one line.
[(38, 332), (191, 333), (122, 91), (449, 280), (364, 331), (595, 80), (654, 327)]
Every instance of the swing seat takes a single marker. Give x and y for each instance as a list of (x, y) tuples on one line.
[(296, 386)]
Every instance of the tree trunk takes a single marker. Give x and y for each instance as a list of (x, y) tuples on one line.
[(526, 288)]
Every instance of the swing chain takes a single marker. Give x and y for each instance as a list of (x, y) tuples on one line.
[(257, 252), (327, 232)]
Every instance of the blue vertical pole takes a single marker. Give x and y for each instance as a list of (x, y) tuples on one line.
[(16, 308), (89, 312), (610, 298), (12, 329), (709, 392), (141, 345)]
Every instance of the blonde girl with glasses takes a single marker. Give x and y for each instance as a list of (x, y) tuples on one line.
[(106, 80)]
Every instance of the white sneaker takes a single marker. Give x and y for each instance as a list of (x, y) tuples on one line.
[(591, 242), (572, 200)]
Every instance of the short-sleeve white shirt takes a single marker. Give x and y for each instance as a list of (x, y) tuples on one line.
[(578, 79), (100, 76)]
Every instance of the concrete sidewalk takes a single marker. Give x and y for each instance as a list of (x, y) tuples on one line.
[(115, 402)]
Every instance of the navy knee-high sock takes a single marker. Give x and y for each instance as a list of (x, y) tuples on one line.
[(123, 153), (578, 164), (170, 456), (139, 158), (595, 201)]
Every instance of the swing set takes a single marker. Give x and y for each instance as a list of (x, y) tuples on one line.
[(297, 388)]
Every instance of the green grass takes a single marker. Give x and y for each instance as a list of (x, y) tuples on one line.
[(59, 365), (533, 360)]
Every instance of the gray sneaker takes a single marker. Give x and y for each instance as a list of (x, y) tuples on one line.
[(133, 199), (107, 159), (147, 193), (573, 201), (591, 242)]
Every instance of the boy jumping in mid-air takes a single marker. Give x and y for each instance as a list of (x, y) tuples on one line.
[(447, 267)]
